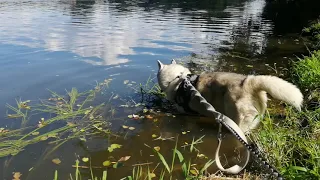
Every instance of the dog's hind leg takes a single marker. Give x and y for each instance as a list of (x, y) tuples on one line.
[(247, 114)]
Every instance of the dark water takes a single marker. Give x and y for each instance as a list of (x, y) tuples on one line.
[(62, 44)]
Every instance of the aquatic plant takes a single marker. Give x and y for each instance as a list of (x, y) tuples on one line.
[(80, 119)]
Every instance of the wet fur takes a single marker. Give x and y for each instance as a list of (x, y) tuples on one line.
[(240, 97)]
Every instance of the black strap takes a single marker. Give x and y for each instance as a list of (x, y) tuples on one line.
[(183, 94)]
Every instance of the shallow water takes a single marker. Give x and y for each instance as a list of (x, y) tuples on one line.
[(62, 44)]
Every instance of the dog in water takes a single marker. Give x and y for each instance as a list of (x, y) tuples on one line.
[(243, 98)]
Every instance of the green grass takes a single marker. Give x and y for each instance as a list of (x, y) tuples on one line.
[(306, 72), (77, 174), (292, 143)]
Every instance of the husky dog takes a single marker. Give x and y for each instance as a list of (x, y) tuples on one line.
[(240, 97)]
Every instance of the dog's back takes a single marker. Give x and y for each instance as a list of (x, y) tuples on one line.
[(242, 97), (222, 90)]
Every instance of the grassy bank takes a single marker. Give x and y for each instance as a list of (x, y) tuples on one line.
[(293, 143)]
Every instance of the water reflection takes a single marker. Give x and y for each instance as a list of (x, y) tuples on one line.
[(112, 31)]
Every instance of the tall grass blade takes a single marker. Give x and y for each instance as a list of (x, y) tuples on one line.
[(164, 162)]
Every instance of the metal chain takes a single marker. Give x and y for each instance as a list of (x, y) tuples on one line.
[(220, 118)]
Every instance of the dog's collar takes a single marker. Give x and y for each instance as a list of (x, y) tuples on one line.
[(183, 93)]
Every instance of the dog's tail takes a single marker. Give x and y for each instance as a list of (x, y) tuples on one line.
[(277, 88)]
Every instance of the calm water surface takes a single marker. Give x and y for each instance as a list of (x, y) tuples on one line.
[(61, 44)]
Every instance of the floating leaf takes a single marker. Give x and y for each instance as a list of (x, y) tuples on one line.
[(157, 148), (85, 159), (106, 163), (132, 128), (56, 161), (16, 175), (35, 133), (152, 175), (249, 66), (116, 97), (125, 127), (145, 110), (130, 116), (125, 81), (83, 139), (125, 158), (114, 146), (117, 165), (184, 132), (154, 135), (149, 117)]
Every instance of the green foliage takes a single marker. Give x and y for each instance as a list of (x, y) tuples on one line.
[(290, 147), (313, 34), (306, 71)]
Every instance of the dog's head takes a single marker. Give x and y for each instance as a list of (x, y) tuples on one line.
[(170, 76)]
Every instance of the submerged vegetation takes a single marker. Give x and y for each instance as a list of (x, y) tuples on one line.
[(78, 117)]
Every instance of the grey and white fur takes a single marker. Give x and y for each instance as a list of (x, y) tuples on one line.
[(242, 98)]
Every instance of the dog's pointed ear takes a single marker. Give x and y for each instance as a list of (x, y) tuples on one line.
[(160, 65), (173, 61)]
